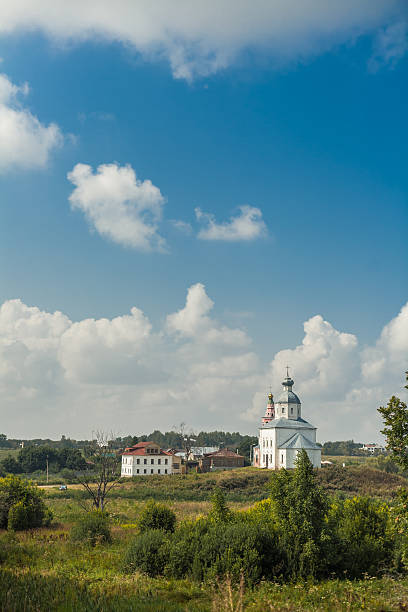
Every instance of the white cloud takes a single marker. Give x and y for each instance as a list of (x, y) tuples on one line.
[(391, 45), (103, 350), (203, 38), (24, 141), (59, 376), (340, 384), (193, 321), (247, 225), (118, 205), (194, 316)]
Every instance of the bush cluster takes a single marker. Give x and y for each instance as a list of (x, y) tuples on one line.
[(294, 534), (92, 528), (21, 505), (157, 516)]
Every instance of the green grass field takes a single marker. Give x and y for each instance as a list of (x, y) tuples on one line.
[(43, 570)]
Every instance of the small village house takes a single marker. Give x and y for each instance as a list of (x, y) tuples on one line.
[(373, 448), (222, 459)]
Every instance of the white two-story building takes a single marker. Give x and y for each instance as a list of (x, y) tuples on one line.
[(147, 459)]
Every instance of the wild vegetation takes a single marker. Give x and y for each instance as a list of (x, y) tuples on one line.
[(332, 539), (345, 550)]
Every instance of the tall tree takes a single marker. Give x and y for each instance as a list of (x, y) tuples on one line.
[(300, 508), (102, 472), (395, 417)]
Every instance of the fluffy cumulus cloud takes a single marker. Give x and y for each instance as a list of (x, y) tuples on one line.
[(340, 383), (25, 142), (202, 38), (118, 205), (246, 225), (121, 374)]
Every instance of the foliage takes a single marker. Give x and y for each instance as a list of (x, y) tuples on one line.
[(92, 528), (11, 466), (42, 570), (147, 553), (174, 439), (261, 512), (207, 550), (342, 447), (300, 506), (360, 539), (204, 550), (395, 417), (220, 513), (157, 516), (21, 504), (34, 458), (399, 517)]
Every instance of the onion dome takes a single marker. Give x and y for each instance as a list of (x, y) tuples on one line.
[(287, 396)]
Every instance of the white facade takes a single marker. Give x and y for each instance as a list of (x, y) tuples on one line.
[(281, 438), (148, 459), (372, 448), (133, 465)]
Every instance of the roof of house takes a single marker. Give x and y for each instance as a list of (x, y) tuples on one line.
[(141, 449), (298, 440), (224, 452), (298, 423)]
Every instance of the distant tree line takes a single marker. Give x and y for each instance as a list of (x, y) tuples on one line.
[(343, 447), (34, 458)]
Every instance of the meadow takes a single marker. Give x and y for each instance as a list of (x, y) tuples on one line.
[(42, 569)]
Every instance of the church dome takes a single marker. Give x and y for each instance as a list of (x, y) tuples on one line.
[(287, 396)]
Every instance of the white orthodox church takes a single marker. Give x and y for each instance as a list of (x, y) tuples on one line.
[(283, 433)]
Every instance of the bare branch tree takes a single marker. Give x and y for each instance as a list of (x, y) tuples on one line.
[(187, 439), (102, 473)]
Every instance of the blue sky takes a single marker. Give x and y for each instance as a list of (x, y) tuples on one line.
[(316, 140)]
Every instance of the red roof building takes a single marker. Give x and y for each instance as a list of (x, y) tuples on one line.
[(147, 459)]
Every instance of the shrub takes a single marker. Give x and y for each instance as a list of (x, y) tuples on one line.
[(157, 516), (219, 513), (360, 531), (24, 515), (92, 528), (261, 512), (21, 504), (399, 515), (147, 553), (206, 550)]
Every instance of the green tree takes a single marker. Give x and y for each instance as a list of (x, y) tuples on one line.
[(21, 504), (11, 466), (395, 417), (300, 506), (219, 513)]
